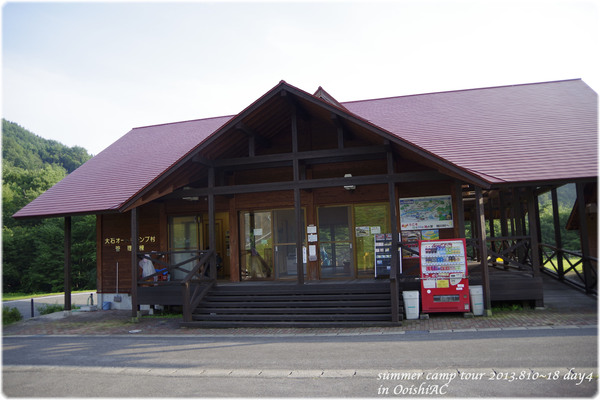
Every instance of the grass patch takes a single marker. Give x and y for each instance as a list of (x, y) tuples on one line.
[(10, 315), (507, 306), (50, 308), (165, 315)]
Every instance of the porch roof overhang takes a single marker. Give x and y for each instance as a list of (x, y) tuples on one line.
[(458, 134)]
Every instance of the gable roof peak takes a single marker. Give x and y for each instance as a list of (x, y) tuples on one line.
[(323, 95)]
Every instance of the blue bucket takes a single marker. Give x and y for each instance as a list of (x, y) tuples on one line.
[(106, 305)]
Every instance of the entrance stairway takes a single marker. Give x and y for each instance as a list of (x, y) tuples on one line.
[(252, 304)]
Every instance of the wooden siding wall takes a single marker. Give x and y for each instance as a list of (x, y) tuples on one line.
[(315, 134), (113, 239), (154, 220)]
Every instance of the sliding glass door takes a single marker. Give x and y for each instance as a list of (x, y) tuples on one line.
[(335, 242), (268, 244)]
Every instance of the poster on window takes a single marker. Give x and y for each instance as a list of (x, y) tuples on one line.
[(433, 212)]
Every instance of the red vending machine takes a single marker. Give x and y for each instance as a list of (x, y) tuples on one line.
[(444, 280)]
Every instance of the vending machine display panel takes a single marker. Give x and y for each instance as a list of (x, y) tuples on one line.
[(444, 276)]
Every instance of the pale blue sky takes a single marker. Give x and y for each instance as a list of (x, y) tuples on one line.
[(86, 73)]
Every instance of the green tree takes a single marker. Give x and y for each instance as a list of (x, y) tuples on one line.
[(33, 250)]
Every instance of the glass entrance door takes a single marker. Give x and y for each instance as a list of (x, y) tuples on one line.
[(268, 244), (369, 219), (335, 242), (184, 236), (285, 243), (257, 245)]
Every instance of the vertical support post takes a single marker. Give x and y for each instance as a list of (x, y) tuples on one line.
[(134, 263), (538, 222), (491, 222), (474, 234), (251, 145), (533, 213), (460, 205), (558, 235), (533, 231), (485, 275), (504, 213), (212, 240), (584, 238), (297, 200), (299, 236), (340, 134), (519, 225), (234, 243), (394, 271), (67, 269)]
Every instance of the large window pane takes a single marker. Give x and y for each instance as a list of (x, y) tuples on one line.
[(369, 219)]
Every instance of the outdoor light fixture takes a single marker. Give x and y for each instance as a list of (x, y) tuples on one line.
[(349, 187)]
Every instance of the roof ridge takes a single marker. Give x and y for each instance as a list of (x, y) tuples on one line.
[(460, 90), (183, 122)]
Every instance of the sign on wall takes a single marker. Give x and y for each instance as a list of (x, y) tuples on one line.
[(433, 212)]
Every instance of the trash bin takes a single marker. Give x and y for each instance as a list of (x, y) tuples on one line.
[(476, 293), (411, 304), (106, 305)]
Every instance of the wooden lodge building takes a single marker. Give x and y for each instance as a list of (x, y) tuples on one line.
[(215, 214)]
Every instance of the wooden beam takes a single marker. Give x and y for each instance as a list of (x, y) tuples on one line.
[(293, 102), (483, 254), (584, 239), (460, 205), (557, 234), (134, 263), (301, 155), (312, 184), (394, 271), (297, 203), (212, 240), (254, 139), (67, 269), (533, 234)]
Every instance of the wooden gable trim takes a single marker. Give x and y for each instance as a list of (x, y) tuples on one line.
[(285, 90)]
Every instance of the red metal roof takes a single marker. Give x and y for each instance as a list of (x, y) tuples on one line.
[(123, 169), (522, 133)]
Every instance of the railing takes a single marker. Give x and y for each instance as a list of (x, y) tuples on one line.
[(510, 253), (553, 259), (162, 260), (196, 282), (195, 278)]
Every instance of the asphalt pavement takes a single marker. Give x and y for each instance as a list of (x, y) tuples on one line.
[(545, 352), (517, 363)]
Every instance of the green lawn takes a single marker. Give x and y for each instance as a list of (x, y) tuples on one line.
[(21, 296)]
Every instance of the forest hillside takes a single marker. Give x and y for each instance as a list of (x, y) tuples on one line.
[(32, 250)]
